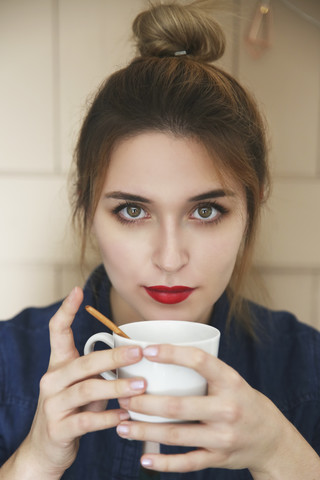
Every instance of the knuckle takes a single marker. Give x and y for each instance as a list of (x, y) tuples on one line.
[(121, 356), (168, 349), (52, 431), (232, 412), (121, 387), (235, 380), (44, 382), (83, 422), (229, 440), (174, 436), (54, 324), (199, 358), (47, 407), (136, 403), (165, 464), (84, 391), (88, 364), (173, 407), (117, 356), (221, 458), (140, 431)]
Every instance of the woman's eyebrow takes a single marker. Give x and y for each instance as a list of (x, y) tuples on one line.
[(118, 195), (212, 194)]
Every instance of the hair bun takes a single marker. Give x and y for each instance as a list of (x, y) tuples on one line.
[(172, 27)]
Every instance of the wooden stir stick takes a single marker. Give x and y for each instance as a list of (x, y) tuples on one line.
[(106, 321)]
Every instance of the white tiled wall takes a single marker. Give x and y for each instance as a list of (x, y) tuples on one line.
[(27, 86), (286, 80), (54, 53)]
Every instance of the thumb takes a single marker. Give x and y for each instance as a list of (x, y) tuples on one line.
[(61, 336)]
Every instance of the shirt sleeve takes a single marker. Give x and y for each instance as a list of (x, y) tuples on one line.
[(24, 357), (316, 438), (3, 452), (16, 406)]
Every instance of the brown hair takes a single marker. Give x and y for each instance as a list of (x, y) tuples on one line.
[(185, 96)]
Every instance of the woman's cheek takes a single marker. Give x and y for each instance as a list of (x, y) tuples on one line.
[(120, 254)]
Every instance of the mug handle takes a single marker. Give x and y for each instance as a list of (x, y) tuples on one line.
[(89, 347)]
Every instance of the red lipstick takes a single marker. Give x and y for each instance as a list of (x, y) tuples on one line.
[(169, 295)]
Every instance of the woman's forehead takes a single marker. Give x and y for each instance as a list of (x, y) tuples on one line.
[(155, 158)]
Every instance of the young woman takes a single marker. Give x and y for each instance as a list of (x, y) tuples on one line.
[(171, 175)]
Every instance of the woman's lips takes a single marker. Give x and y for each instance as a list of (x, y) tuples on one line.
[(169, 295)]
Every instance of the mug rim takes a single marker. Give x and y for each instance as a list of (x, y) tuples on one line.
[(204, 326)]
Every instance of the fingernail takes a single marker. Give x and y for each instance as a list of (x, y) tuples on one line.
[(123, 429), (146, 462), (151, 351), (137, 385), (133, 353)]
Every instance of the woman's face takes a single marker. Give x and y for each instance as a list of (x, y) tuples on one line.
[(168, 231)]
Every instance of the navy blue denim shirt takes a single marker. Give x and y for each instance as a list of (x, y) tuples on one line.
[(284, 365)]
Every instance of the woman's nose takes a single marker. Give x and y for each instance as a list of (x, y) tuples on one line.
[(170, 253)]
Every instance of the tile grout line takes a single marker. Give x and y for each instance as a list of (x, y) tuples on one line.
[(33, 174), (318, 143), (56, 93)]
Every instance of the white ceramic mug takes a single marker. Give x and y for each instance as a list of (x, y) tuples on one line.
[(162, 379)]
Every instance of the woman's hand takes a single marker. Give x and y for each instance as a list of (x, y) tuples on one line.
[(72, 398), (237, 427)]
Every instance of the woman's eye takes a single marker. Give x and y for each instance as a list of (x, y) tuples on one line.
[(206, 213), (132, 212)]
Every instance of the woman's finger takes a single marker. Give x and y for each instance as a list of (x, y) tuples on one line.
[(89, 366), (74, 426), (61, 336), (92, 390), (211, 368), (198, 408), (182, 434), (188, 462)]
